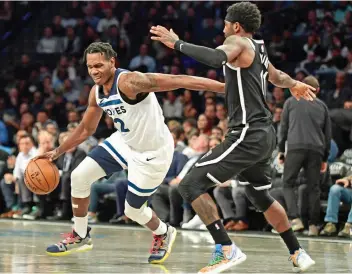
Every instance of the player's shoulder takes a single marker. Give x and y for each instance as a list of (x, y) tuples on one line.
[(235, 39)]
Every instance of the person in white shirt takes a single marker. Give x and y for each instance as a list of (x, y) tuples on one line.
[(106, 22), (27, 152)]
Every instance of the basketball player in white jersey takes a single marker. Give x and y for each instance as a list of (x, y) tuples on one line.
[(142, 143)]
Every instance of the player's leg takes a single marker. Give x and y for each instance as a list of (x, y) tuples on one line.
[(98, 164), (219, 165), (143, 181), (257, 192)]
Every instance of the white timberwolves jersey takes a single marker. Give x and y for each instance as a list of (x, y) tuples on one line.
[(140, 125)]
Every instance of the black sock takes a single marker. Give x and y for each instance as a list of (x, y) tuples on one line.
[(219, 233), (290, 240)]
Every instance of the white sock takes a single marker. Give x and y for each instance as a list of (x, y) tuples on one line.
[(81, 226), (162, 228)]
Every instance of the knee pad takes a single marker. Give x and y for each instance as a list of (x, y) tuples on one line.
[(83, 176), (80, 188), (140, 215), (261, 199)]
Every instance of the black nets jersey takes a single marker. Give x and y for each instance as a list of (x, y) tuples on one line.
[(245, 89)]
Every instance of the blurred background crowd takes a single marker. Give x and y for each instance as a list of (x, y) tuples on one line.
[(45, 88)]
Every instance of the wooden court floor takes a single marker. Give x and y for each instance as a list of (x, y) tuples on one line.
[(123, 249)]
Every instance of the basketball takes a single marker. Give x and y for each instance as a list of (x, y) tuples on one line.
[(41, 176)]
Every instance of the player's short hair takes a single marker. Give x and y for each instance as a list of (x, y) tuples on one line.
[(100, 47), (246, 14)]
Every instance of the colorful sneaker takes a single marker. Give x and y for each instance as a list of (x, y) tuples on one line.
[(162, 245), (301, 261), (223, 258), (72, 243)]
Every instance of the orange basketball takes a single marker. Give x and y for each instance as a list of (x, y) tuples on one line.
[(41, 176)]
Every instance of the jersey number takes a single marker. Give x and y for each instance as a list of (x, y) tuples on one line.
[(122, 125)]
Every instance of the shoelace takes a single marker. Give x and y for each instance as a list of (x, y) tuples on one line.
[(157, 243), (68, 238), (217, 257)]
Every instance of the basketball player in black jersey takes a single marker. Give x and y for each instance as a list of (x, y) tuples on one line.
[(251, 139)]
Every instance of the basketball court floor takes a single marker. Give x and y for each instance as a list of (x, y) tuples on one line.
[(123, 249)]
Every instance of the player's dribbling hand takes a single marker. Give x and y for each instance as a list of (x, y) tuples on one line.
[(302, 90), (168, 38), (51, 155)]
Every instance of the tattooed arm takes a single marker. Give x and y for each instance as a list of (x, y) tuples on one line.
[(132, 83), (279, 78), (298, 89)]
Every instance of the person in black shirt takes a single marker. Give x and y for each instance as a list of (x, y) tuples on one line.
[(251, 138)]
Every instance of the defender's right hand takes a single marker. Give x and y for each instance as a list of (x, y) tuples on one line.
[(51, 155)]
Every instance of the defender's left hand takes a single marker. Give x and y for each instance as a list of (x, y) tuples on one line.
[(168, 38)]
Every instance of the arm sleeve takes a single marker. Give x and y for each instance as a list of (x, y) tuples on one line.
[(210, 57), (284, 127), (327, 134)]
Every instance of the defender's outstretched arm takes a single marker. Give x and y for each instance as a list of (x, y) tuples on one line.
[(132, 83)]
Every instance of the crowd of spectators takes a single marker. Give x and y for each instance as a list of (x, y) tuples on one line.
[(46, 93)]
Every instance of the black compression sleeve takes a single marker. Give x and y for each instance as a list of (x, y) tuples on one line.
[(211, 57)]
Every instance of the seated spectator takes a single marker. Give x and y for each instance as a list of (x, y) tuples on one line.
[(172, 106), (71, 44), (225, 195), (8, 189), (217, 133), (190, 127), (48, 44), (118, 183), (27, 152), (178, 135), (143, 62), (340, 191), (107, 22), (203, 125)]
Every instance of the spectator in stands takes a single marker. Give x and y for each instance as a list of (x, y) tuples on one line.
[(70, 94), (27, 152), (179, 137), (48, 44), (107, 22), (8, 188), (42, 118), (172, 106), (217, 133), (204, 125), (311, 153), (143, 62), (225, 195), (340, 191), (190, 127), (90, 18), (57, 28), (71, 44), (116, 183), (23, 70)]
